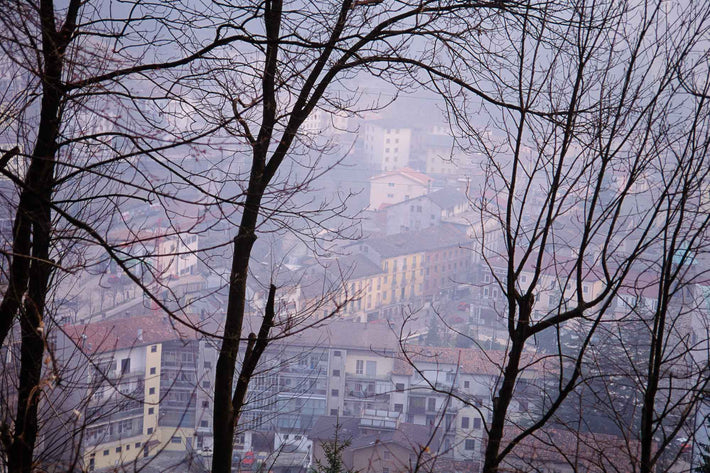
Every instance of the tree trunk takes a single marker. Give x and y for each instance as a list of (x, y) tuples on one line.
[(649, 396), (225, 413), (501, 403), (33, 222)]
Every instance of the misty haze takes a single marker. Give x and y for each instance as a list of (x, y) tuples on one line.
[(355, 236)]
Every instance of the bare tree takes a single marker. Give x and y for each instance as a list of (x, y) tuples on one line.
[(71, 123), (657, 347), (155, 64), (572, 195), (293, 62)]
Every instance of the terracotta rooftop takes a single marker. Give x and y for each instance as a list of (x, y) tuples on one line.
[(587, 451), (409, 173), (469, 360), (117, 334)]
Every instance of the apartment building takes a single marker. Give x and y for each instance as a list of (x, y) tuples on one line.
[(421, 212), (398, 185), (144, 378), (384, 273), (387, 144), (354, 278), (417, 264), (342, 368)]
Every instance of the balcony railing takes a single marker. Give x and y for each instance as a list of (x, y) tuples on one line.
[(366, 377)]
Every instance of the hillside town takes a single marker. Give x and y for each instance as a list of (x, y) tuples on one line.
[(429, 238), (404, 365)]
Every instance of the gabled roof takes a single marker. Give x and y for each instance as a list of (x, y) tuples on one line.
[(117, 334), (410, 436), (326, 427), (358, 266), (428, 239), (447, 198), (348, 335), (409, 173), (592, 451)]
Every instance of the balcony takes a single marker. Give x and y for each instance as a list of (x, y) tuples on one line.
[(364, 396), (416, 410), (366, 377)]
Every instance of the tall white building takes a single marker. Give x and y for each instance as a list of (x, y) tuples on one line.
[(387, 144)]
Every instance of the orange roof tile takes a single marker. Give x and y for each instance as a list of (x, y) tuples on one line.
[(111, 335)]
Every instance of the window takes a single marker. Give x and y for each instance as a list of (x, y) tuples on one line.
[(336, 373), (399, 387), (465, 422), (151, 391), (359, 366), (398, 408), (105, 453), (128, 447), (154, 348), (431, 404), (205, 404), (187, 357), (176, 439), (151, 410), (137, 445), (118, 449), (334, 392), (390, 184), (334, 412), (149, 430), (125, 365), (152, 370), (337, 353), (371, 368), (466, 384), (204, 423), (470, 444), (477, 423)]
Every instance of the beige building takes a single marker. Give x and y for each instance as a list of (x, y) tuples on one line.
[(144, 389), (394, 187)]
